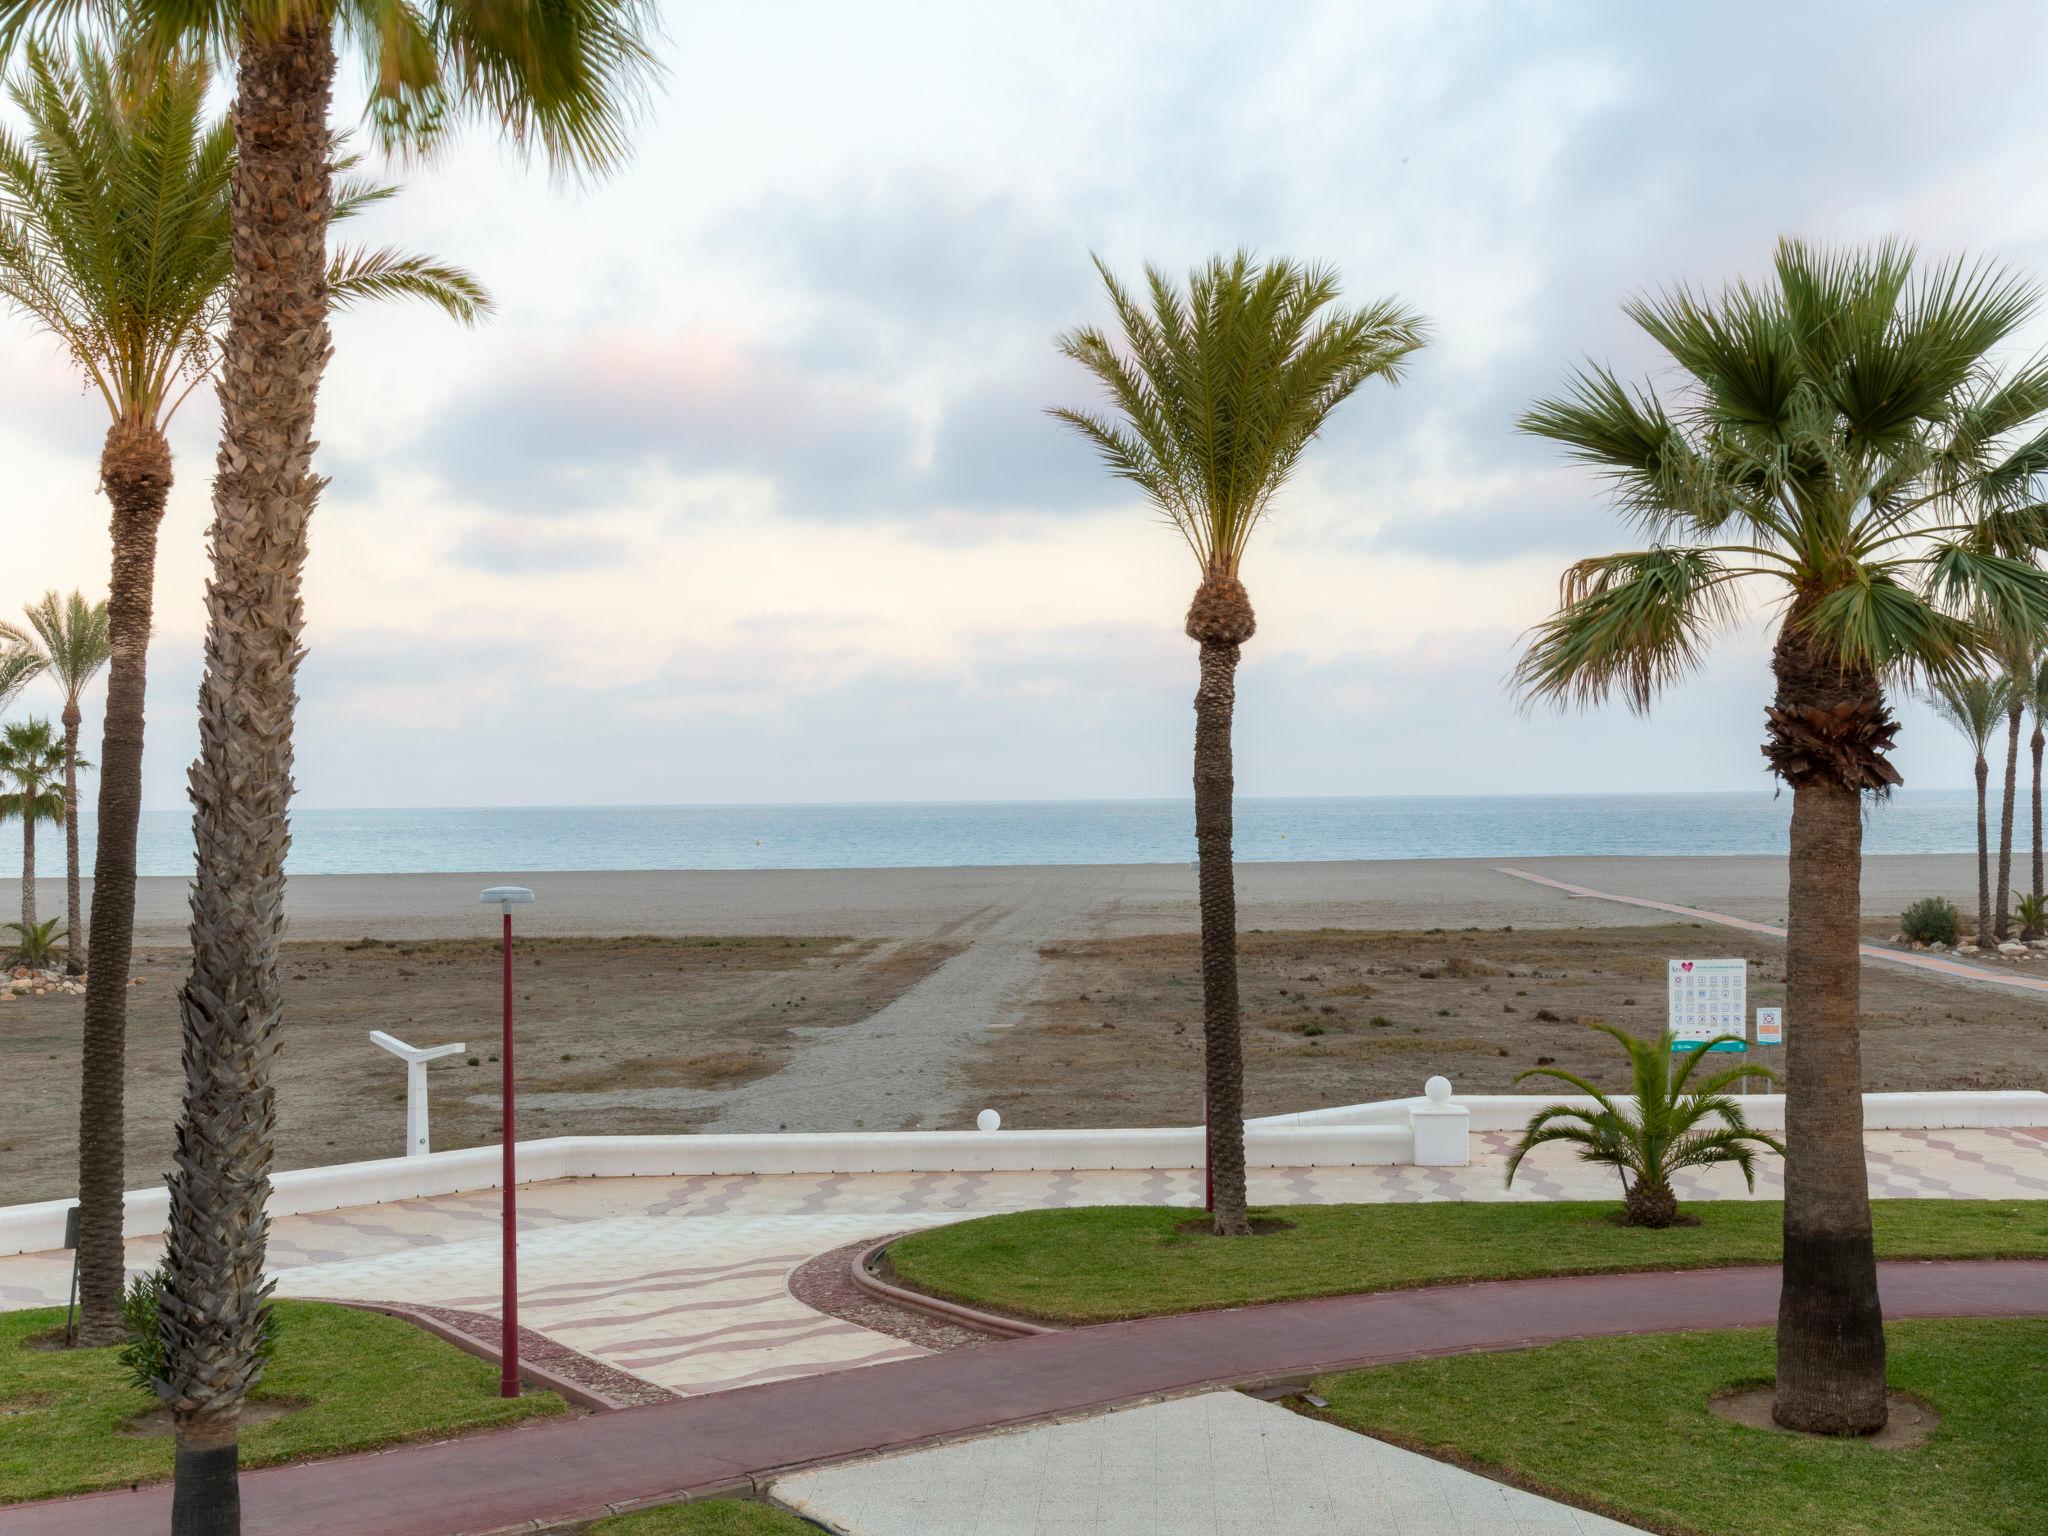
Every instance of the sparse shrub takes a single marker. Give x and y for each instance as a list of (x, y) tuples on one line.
[(36, 944), (1932, 920), (142, 1357), (1380, 1021)]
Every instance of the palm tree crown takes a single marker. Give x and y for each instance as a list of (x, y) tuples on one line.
[(72, 636), (1841, 435), (1218, 390), (31, 762), (567, 76), (1974, 704), (115, 226)]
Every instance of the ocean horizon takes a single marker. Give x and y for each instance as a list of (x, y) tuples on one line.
[(951, 834)]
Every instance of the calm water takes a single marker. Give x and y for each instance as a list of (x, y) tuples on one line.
[(330, 842)]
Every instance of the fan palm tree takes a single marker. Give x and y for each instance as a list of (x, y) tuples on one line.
[(1667, 1128), (563, 74), (1840, 439), (1974, 705), (1215, 393), (116, 236), (71, 634), (31, 787)]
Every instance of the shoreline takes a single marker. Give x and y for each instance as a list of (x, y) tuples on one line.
[(1047, 901)]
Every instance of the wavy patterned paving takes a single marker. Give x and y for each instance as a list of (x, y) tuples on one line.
[(684, 1281)]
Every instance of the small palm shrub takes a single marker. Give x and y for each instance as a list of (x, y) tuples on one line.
[(1933, 920), (35, 944), (1671, 1127), (2032, 912), (142, 1357)]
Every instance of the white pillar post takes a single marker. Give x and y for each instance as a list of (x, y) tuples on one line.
[(415, 1059), (1442, 1130)]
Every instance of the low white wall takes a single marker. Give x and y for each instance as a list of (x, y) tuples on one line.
[(39, 1227), (1940, 1111), (1350, 1135)]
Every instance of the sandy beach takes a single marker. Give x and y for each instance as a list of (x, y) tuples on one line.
[(1057, 901), (906, 998)]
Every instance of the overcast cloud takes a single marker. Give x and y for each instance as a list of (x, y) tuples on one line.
[(749, 493)]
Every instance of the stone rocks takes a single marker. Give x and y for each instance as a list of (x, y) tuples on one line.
[(25, 982), (2012, 947)]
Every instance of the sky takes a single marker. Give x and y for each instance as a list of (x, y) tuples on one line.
[(747, 492)]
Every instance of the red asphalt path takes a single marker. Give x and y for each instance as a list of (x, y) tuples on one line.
[(575, 1468)]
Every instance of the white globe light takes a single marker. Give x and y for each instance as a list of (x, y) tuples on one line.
[(1437, 1089), (989, 1120)]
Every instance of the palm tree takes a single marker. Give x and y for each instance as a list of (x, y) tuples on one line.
[(1215, 394), (563, 74), (2036, 688), (20, 664), (72, 636), (32, 773), (1839, 436), (1667, 1128), (1973, 705), (2018, 662), (116, 236)]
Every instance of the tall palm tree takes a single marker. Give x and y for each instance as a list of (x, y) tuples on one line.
[(2017, 659), (1974, 705), (2036, 688), (31, 787), (563, 74), (1840, 438), (1215, 393), (72, 636), (116, 236)]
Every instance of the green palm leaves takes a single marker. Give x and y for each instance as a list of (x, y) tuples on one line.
[(115, 235), (1669, 1126), (1839, 437), (31, 769), (72, 636), (1217, 390), (566, 75)]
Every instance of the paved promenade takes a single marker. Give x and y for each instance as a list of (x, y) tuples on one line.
[(684, 1281), (574, 1468)]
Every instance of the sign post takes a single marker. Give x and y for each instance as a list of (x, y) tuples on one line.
[(1708, 999), (506, 897), (1770, 1029)]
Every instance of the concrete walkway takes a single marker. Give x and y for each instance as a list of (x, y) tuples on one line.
[(1215, 1464), (576, 1468), (1913, 960), (684, 1281)]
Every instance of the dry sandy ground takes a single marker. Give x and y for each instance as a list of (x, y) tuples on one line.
[(646, 1029), (912, 998), (1113, 1028)]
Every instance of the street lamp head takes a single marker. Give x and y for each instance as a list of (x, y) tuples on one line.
[(506, 896)]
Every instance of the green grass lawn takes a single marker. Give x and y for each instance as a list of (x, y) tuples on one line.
[(366, 1380), (709, 1517), (1100, 1263), (1622, 1425)]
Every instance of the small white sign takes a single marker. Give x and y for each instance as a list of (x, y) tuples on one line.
[(1770, 1026), (1709, 998)]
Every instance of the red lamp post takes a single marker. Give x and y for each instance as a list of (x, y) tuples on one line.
[(506, 897)]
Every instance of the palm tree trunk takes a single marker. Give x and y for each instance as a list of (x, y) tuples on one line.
[(28, 861), (1830, 1327), (2012, 773), (1983, 852), (74, 920), (2035, 933), (135, 467), (272, 357), (1222, 1045)]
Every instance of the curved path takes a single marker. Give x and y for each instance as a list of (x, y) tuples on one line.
[(562, 1469), (1912, 959)]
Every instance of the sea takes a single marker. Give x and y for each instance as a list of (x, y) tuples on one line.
[(448, 840)]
